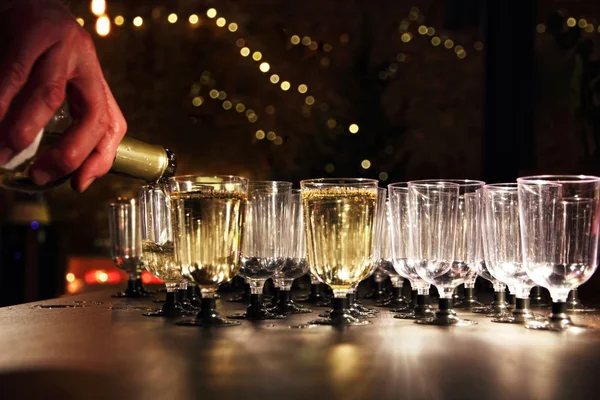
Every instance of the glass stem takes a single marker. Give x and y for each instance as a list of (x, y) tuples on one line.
[(171, 286), (351, 298), (413, 300), (469, 293), (499, 303), (559, 311), (256, 286), (340, 308)]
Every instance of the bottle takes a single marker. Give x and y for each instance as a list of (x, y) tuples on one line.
[(134, 159)]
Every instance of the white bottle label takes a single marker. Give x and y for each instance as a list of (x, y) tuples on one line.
[(25, 155)]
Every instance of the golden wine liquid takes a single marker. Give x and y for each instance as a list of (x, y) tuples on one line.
[(207, 235), (339, 227), (159, 260)]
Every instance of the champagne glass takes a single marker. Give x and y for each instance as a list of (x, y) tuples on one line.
[(266, 233), (317, 294), (438, 223), (502, 247), (157, 245), (208, 216), (339, 220), (295, 265), (559, 233), (126, 242), (400, 244)]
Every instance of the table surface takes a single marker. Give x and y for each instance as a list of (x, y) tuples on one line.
[(99, 352)]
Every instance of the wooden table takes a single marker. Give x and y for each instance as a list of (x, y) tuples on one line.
[(95, 352)]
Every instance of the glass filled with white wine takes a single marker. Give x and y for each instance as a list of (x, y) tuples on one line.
[(266, 239), (339, 221), (208, 216), (157, 245), (559, 232)]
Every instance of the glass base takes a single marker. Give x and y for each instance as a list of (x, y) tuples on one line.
[(208, 317), (132, 291), (286, 306), (340, 316), (574, 305), (256, 311), (158, 301), (429, 313), (445, 320), (365, 310), (397, 302), (557, 321), (517, 317)]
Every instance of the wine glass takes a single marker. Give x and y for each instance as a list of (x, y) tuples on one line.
[(208, 215), (158, 253), (502, 246), (439, 227), (384, 261), (266, 233), (295, 265), (317, 294), (126, 241), (339, 220), (400, 244), (559, 233)]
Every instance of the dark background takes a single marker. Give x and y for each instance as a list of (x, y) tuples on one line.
[(438, 89)]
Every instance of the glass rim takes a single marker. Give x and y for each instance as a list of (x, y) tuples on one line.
[(203, 179), (433, 184), (270, 183), (339, 181), (459, 182), (502, 186), (541, 179)]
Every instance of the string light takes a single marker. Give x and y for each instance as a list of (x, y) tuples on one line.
[(571, 22), (422, 30), (214, 93), (449, 44), (271, 135), (245, 52), (264, 67), (582, 23), (80, 21), (540, 28), (222, 95), (302, 88), (278, 141), (430, 31), (194, 19), (383, 176), (313, 46), (119, 20), (221, 22), (589, 28), (406, 37), (98, 7), (295, 40), (211, 13), (138, 21), (103, 25), (256, 56), (310, 100), (331, 123), (366, 164), (240, 107), (436, 41), (270, 110), (353, 128), (232, 27), (197, 101), (227, 105), (306, 40), (172, 18), (240, 42), (285, 86), (327, 47), (274, 78)]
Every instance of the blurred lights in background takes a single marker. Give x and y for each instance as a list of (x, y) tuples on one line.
[(103, 25), (353, 128), (172, 18), (138, 21), (98, 7), (119, 20), (194, 19)]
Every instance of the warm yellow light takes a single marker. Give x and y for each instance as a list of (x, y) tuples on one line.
[(194, 19), (240, 107), (211, 13), (331, 123), (274, 78), (582, 23), (138, 21), (240, 42), (245, 51), (306, 40), (327, 47), (401, 57), (430, 31), (295, 39), (422, 30), (172, 18), (353, 128), (197, 101), (119, 20), (571, 22), (70, 277), (366, 164), (461, 54), (222, 95), (249, 112), (302, 88), (80, 21), (589, 28), (253, 118), (436, 41), (540, 28), (256, 56), (214, 93), (478, 46), (264, 67), (459, 49), (102, 276), (383, 176), (285, 85), (313, 46), (260, 134), (98, 7), (271, 135), (227, 105), (278, 141), (448, 44), (406, 37), (221, 22), (329, 168), (232, 27), (103, 26), (309, 100)]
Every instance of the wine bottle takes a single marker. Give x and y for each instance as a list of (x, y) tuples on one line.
[(134, 159)]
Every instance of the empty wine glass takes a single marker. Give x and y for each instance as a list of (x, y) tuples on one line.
[(502, 246), (400, 244), (208, 215), (157, 245), (439, 238), (266, 232), (559, 233), (339, 220), (295, 265), (126, 242)]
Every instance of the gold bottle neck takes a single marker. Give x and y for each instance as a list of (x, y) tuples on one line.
[(147, 162)]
